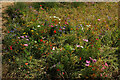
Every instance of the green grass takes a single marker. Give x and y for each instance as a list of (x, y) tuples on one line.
[(102, 35)]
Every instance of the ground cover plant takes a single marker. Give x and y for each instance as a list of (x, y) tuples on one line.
[(67, 40)]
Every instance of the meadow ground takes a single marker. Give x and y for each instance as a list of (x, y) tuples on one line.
[(61, 40)]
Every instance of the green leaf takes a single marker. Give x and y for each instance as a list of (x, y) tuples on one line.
[(26, 52)]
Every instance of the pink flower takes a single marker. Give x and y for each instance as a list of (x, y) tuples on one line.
[(101, 75), (63, 28), (105, 75), (22, 36), (87, 61), (85, 40), (96, 39), (66, 22), (98, 19), (92, 59), (86, 64), (106, 64), (26, 36), (27, 39), (25, 44), (102, 68), (78, 45), (51, 25)]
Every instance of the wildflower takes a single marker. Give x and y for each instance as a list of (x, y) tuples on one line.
[(38, 26), (63, 73), (78, 45), (58, 70), (53, 48), (24, 33), (54, 16), (10, 47), (41, 40), (27, 39), (93, 69), (66, 22), (92, 59), (88, 25), (106, 64), (96, 39), (98, 19), (86, 64), (63, 28), (80, 58), (22, 36), (25, 44), (102, 68), (35, 41), (81, 46), (26, 63), (26, 36), (101, 75), (54, 31), (105, 75), (40, 5), (8, 32), (85, 40), (51, 25), (31, 30), (87, 61)]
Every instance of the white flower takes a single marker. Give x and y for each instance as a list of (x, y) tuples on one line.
[(82, 28), (35, 41), (88, 25), (54, 16), (38, 26), (81, 46), (53, 48)]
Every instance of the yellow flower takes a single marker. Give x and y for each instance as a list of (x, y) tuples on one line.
[(37, 33), (32, 30), (24, 33)]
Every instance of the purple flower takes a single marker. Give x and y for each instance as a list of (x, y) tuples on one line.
[(25, 44), (86, 64), (87, 61), (85, 40), (94, 60), (18, 37), (22, 36)]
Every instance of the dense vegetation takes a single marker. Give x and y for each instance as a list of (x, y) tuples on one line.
[(61, 40)]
